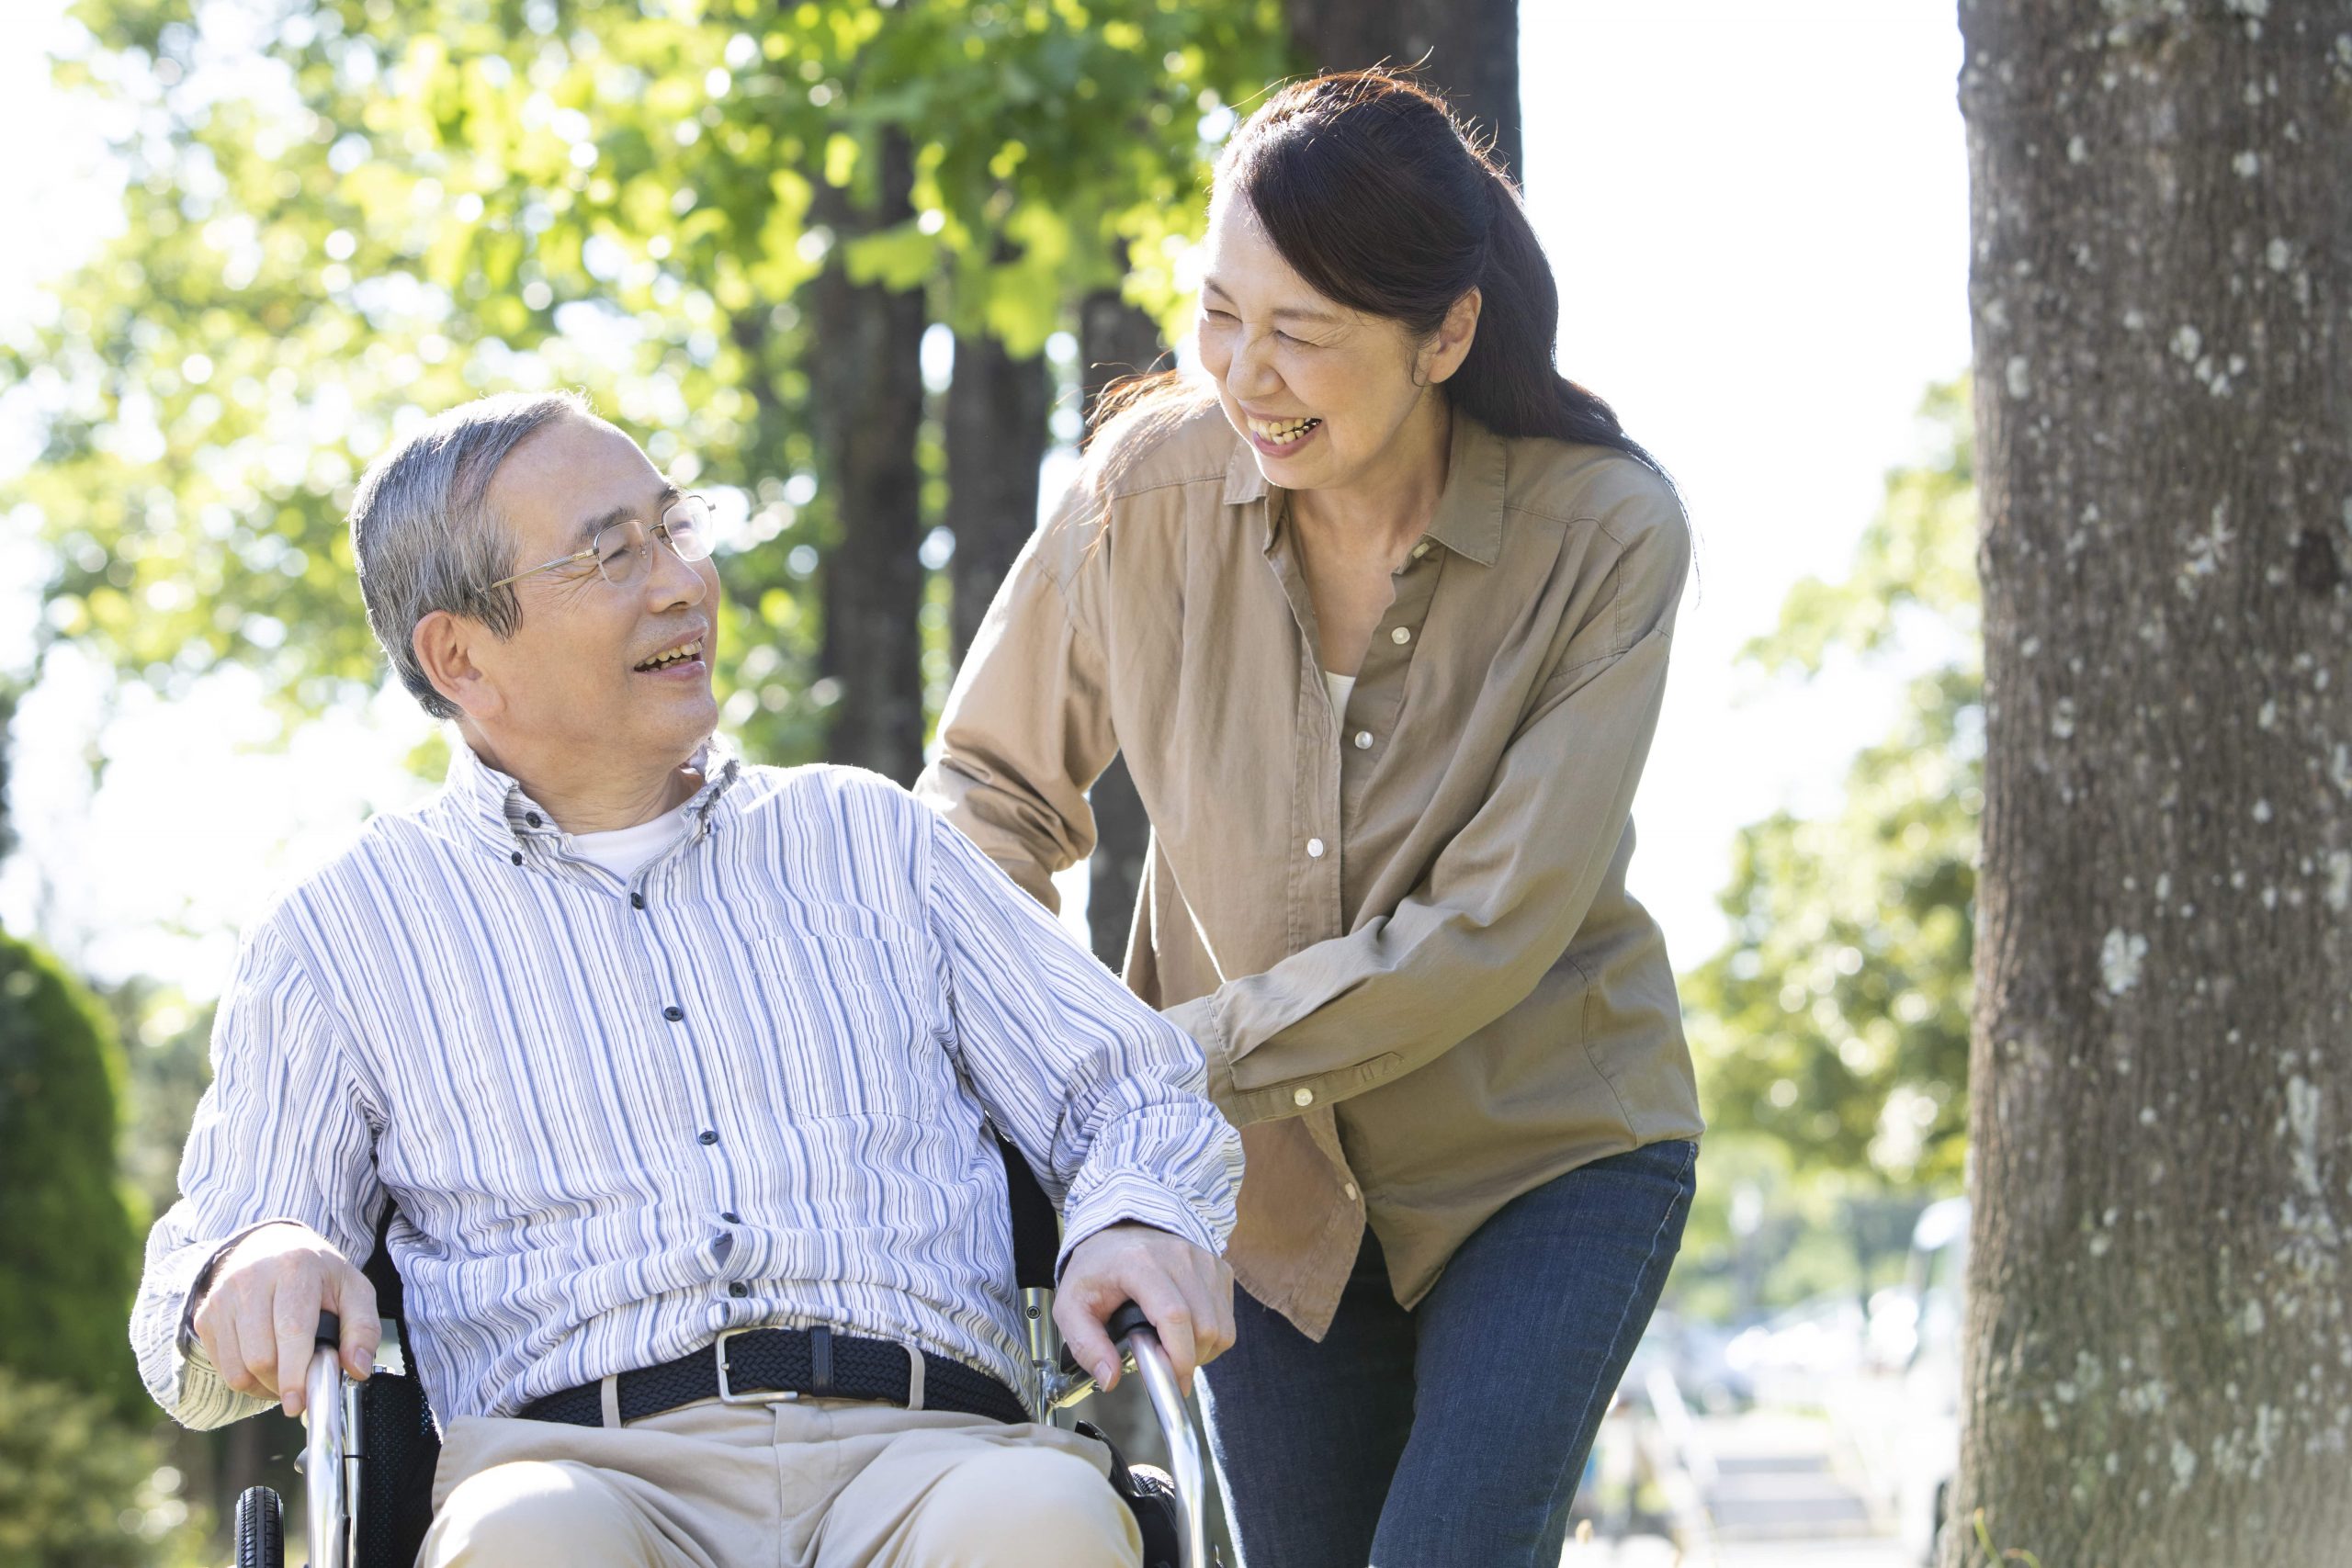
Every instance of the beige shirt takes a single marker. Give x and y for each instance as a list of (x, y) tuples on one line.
[(1404, 941)]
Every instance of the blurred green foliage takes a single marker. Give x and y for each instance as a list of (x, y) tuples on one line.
[(1831, 1030), (345, 216), (82, 1488), (166, 1047), (69, 1240)]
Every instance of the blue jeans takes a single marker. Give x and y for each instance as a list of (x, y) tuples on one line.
[(1454, 1433)]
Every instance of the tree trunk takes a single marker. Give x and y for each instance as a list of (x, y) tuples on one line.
[(866, 384), (1468, 49), (1115, 339), (997, 408), (2159, 1351)]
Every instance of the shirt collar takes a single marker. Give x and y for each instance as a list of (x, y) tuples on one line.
[(495, 805), (1469, 517)]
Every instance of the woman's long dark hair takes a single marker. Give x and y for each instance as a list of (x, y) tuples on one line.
[(1371, 193)]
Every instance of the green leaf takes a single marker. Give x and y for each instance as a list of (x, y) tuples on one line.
[(898, 257)]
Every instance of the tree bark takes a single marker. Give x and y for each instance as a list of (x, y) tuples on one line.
[(2159, 1353), (997, 409), (865, 380), (1115, 339), (1467, 48)]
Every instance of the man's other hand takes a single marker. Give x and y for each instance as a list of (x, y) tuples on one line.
[(258, 1320), (1185, 1291)]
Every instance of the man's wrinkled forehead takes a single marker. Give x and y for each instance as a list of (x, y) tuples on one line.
[(571, 478)]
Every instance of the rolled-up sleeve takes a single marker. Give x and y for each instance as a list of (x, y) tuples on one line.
[(1498, 904), (1102, 1096), (280, 1135)]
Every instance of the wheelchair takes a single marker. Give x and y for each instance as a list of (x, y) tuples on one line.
[(370, 1447)]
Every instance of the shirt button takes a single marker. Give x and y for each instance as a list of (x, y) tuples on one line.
[(1302, 1097), (1351, 1190), (1401, 636), (519, 857), (637, 900), (1420, 549), (1363, 739), (731, 1217), (706, 1136), (738, 1289), (672, 1014), (532, 817), (1313, 849)]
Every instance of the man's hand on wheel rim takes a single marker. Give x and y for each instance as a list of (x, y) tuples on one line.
[(1185, 1291), (258, 1320)]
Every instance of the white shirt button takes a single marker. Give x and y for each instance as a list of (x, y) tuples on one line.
[(1401, 636), (1351, 1190), (1420, 549), (1363, 739), (1314, 852), (1302, 1097)]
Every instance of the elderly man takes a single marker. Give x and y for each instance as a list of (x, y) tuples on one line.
[(648, 1046)]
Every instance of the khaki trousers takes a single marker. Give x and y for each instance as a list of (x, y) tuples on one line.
[(809, 1483)]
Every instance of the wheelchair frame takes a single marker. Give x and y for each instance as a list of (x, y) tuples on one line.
[(334, 1451)]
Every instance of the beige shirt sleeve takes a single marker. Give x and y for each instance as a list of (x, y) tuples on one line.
[(1027, 727), (1503, 899)]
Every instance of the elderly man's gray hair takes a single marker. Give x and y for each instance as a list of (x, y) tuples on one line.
[(425, 536)]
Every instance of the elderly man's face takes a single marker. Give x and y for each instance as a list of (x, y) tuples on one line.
[(574, 677)]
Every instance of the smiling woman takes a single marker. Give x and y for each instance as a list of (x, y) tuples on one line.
[(1377, 613)]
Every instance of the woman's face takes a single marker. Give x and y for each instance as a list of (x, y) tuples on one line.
[(1318, 389)]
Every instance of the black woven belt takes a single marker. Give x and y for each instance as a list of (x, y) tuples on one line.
[(752, 1366)]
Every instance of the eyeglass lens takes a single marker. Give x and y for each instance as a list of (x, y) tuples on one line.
[(624, 551)]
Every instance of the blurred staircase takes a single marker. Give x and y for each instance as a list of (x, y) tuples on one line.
[(1775, 1480)]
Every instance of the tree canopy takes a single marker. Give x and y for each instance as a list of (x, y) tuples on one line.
[(1834, 1023), (346, 216)]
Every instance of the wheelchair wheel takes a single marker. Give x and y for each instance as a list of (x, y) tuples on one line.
[(261, 1530)]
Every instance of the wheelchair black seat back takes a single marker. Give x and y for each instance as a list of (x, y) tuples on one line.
[(372, 1485)]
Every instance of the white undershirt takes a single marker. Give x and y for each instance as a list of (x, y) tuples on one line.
[(1338, 686), (625, 850)]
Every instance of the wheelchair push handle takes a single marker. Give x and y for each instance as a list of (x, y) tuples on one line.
[(330, 1330)]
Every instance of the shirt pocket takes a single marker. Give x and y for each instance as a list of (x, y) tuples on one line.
[(844, 1016)]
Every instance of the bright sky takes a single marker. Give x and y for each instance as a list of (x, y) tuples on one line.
[(1758, 218)]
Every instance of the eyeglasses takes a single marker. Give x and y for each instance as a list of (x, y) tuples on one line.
[(624, 551)]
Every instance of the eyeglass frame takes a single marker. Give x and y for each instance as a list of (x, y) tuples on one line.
[(660, 529)]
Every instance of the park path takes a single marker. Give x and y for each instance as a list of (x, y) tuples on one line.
[(1765, 1489)]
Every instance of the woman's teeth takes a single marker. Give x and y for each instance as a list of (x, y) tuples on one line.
[(692, 650), (1281, 433)]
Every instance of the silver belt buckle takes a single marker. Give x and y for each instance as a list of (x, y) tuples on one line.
[(727, 1395)]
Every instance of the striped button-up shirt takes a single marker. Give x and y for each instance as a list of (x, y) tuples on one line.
[(750, 1085)]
